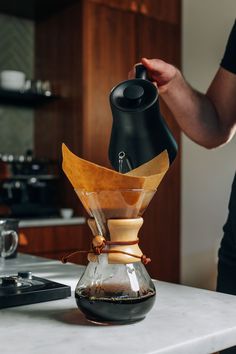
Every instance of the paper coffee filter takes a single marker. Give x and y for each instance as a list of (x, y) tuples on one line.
[(115, 191), (87, 175)]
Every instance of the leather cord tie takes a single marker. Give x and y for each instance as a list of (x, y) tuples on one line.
[(98, 246)]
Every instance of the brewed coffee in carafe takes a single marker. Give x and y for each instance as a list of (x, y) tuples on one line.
[(124, 293)]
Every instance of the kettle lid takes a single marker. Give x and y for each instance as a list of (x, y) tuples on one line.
[(134, 95)]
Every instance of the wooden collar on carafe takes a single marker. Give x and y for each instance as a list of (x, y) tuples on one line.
[(122, 248)]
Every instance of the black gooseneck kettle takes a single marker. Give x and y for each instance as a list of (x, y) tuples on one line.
[(139, 132)]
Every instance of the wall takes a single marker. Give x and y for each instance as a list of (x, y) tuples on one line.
[(206, 175), (16, 53)]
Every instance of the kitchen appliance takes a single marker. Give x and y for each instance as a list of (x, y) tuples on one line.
[(115, 287), (139, 132), (24, 289), (28, 186)]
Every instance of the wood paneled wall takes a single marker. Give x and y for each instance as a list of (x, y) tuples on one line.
[(85, 50)]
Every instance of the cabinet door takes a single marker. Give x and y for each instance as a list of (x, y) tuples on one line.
[(160, 232), (108, 54), (55, 241)]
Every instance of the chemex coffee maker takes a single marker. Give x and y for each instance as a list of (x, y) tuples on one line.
[(115, 287)]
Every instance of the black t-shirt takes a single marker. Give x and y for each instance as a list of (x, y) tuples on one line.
[(229, 60), (227, 252)]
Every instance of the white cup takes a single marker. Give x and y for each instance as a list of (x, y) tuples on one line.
[(12, 80), (66, 213)]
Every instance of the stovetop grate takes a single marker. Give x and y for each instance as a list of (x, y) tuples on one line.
[(25, 289)]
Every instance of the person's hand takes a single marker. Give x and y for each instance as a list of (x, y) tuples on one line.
[(161, 73)]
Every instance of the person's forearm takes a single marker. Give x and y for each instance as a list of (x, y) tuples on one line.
[(194, 112)]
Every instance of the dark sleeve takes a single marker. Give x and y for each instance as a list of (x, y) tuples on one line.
[(229, 60)]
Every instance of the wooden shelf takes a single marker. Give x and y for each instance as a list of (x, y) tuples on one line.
[(33, 9), (26, 99)]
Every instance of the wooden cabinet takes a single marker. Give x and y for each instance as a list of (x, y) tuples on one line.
[(85, 50), (55, 241)]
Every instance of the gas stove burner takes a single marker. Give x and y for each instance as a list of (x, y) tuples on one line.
[(11, 281), (21, 280), (24, 289)]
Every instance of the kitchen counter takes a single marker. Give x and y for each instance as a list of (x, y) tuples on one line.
[(184, 320), (80, 220)]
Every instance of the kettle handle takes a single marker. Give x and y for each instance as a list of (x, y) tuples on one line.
[(141, 72)]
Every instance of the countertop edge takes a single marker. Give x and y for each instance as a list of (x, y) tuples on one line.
[(80, 220)]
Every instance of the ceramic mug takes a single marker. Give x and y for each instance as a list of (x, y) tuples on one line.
[(66, 213), (8, 240), (12, 80)]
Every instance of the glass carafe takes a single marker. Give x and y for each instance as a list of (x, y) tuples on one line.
[(115, 293), (115, 287)]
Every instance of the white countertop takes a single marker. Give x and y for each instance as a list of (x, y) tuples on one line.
[(79, 220), (184, 320)]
